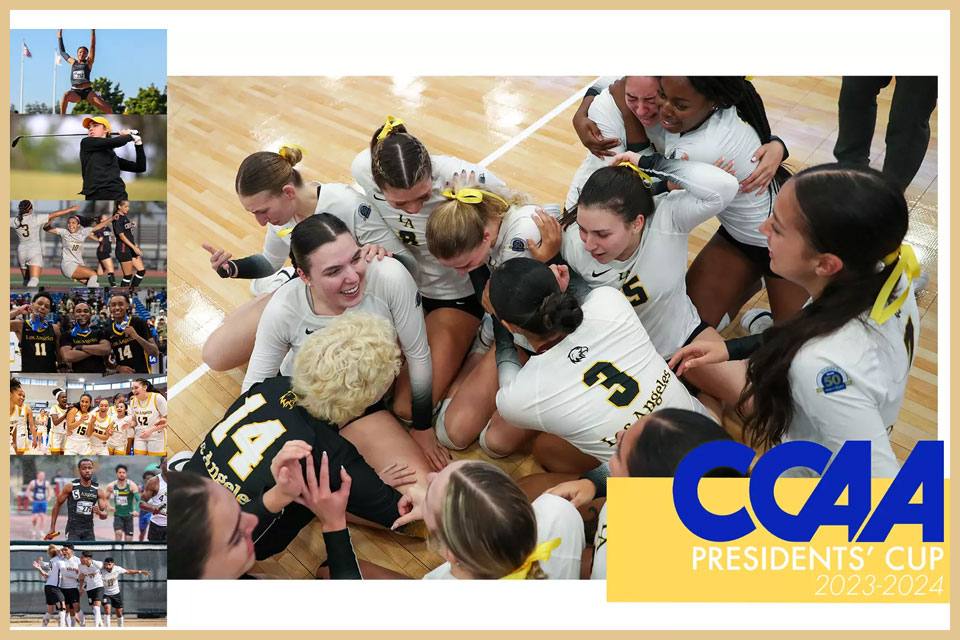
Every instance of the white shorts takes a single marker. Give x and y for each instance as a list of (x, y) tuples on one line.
[(98, 448), (29, 255), (77, 448), (154, 446), (20, 442), (57, 440), (117, 446), (69, 268)]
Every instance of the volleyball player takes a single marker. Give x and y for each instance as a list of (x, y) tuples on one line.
[(85, 348), (594, 372), (154, 500), (21, 420), (84, 500), (37, 338), (52, 593), (130, 337), (838, 370), (91, 581), (104, 252), (126, 496), (71, 249), (79, 427), (149, 410), (339, 373), (39, 491), (101, 429), (58, 418), (29, 251), (80, 67), (127, 252), (112, 598), (406, 184)]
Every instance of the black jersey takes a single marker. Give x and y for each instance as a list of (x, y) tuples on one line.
[(258, 424), (105, 244), (126, 350), (38, 349), (79, 74), (123, 226), (80, 504), (90, 364)]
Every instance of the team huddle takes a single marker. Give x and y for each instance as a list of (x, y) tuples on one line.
[(438, 309)]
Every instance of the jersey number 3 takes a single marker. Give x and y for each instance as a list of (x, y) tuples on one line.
[(613, 377), (251, 439)]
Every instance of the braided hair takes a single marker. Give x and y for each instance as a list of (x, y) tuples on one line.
[(398, 161)]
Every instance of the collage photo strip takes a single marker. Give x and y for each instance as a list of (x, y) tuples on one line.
[(419, 323)]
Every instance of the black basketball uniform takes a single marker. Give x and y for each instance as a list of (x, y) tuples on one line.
[(90, 364), (38, 349), (259, 423), (126, 350)]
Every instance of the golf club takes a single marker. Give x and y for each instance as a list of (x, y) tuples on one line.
[(45, 135)]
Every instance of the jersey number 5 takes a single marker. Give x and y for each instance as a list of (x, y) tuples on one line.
[(251, 439), (634, 291), (613, 377)]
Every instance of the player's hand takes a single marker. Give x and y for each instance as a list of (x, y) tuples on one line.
[(137, 251), (130, 332), (551, 237), (133, 225), (578, 492), (125, 369), (286, 470), (410, 507), (562, 273), (627, 156), (591, 137), (728, 166), (397, 475), (59, 33), (460, 180), (218, 261), (698, 354), (330, 507), (51, 535), (75, 207), (145, 573), (768, 158), (437, 455), (22, 311), (370, 251), (124, 132)]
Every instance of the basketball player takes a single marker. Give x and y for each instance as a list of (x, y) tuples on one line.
[(58, 416), (29, 251), (112, 598), (39, 491), (101, 429), (79, 427), (91, 580), (84, 500), (120, 442), (130, 337), (154, 500), (85, 348), (52, 593), (21, 420), (126, 496), (149, 410), (37, 338), (71, 249)]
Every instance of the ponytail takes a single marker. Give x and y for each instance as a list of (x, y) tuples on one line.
[(269, 171), (397, 159), (525, 292), (621, 189), (146, 384), (24, 207)]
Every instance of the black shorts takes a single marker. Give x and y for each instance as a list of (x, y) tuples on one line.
[(95, 595), (81, 536), (83, 93), (470, 304), (157, 533), (70, 596), (115, 601), (703, 326), (53, 594), (107, 195), (122, 252), (123, 523), (759, 256), (103, 255)]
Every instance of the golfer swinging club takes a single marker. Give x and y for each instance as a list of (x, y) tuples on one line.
[(99, 163), (80, 86)]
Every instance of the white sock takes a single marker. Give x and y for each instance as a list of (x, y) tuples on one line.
[(46, 619), (92, 281), (71, 621), (119, 621), (33, 282), (62, 618), (106, 620), (97, 622), (80, 617)]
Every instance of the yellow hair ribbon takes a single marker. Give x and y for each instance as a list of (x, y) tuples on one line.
[(284, 232), (540, 554), (647, 180), (283, 149), (748, 78), (388, 126), (471, 196), (908, 265)]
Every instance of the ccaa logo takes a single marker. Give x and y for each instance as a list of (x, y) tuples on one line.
[(848, 472)]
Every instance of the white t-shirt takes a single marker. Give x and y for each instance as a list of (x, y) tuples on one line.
[(606, 114), (556, 518), (71, 244), (69, 572), (850, 384), (599, 571), (92, 579), (111, 580), (654, 278), (600, 379), (389, 292), (28, 231), (53, 572), (434, 280)]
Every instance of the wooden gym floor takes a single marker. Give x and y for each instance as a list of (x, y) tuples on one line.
[(215, 122)]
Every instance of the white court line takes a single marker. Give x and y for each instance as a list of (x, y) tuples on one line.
[(507, 146)]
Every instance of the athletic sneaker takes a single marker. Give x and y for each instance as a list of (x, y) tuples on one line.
[(272, 282), (756, 321), (724, 322)]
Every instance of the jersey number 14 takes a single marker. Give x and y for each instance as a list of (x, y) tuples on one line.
[(251, 439)]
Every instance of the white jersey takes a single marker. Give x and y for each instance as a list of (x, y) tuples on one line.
[(18, 423), (122, 432), (434, 280), (724, 135), (61, 427), (145, 414), (53, 572), (389, 292), (78, 442), (353, 210), (600, 379), (101, 426), (599, 571), (850, 384), (556, 518), (69, 572), (159, 500), (92, 579), (71, 244), (111, 580), (606, 114), (654, 278), (28, 230)]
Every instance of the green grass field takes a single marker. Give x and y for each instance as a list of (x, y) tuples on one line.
[(48, 280), (40, 185)]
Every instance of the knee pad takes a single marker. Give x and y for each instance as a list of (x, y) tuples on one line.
[(482, 441), (441, 429)]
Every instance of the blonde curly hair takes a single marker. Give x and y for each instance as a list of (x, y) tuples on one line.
[(344, 368)]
